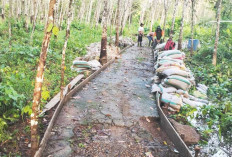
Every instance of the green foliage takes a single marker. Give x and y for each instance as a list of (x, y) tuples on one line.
[(217, 78), (18, 65)]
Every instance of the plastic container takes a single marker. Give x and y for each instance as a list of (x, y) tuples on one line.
[(195, 44)]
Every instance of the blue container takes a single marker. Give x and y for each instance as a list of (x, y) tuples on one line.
[(195, 44)]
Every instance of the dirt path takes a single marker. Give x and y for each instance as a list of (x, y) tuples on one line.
[(109, 116)]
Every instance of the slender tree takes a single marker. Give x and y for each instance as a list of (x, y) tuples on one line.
[(174, 16), (2, 9), (185, 3), (153, 8), (90, 11), (103, 54), (36, 10), (9, 21), (214, 61), (192, 24), (165, 14), (97, 12), (39, 79), (64, 48), (117, 24)]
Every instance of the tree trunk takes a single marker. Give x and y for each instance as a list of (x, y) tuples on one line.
[(2, 11), (117, 24), (98, 11), (90, 11), (39, 80), (174, 17), (36, 10), (214, 61), (192, 25), (9, 21), (154, 4), (126, 14), (64, 49), (61, 13), (165, 14), (185, 3), (103, 54)]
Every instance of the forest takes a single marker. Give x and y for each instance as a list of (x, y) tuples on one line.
[(40, 39)]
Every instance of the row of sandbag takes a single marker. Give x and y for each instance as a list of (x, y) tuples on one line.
[(81, 65), (173, 79)]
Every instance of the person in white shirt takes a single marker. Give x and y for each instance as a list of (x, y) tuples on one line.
[(140, 34)]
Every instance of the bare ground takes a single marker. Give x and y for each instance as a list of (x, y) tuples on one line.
[(114, 115)]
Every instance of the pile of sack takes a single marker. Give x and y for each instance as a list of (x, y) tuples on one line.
[(173, 80), (94, 49), (81, 65)]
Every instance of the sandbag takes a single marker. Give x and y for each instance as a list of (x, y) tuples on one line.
[(176, 56), (167, 59), (172, 100), (193, 103), (94, 64), (160, 46), (182, 92), (175, 71), (169, 52), (198, 99), (181, 66), (163, 68), (162, 89), (167, 89), (178, 81), (77, 62)]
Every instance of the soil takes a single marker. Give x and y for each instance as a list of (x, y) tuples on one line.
[(114, 115)]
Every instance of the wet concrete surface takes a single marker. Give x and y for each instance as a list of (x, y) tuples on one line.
[(114, 115)]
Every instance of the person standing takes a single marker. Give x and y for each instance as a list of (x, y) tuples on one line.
[(150, 37), (140, 34), (159, 34)]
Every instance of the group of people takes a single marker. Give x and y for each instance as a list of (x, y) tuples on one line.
[(154, 37)]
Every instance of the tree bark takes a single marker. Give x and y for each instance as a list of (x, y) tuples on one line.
[(90, 11), (174, 17), (126, 14), (36, 10), (3, 9), (103, 54), (185, 3), (9, 21), (117, 24), (192, 25), (165, 14), (39, 80), (154, 6), (64, 48), (97, 12), (214, 61)]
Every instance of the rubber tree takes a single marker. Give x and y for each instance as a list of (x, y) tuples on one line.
[(90, 11), (174, 17), (103, 54), (36, 10), (117, 24), (214, 61), (64, 48), (153, 12), (185, 3), (39, 79), (97, 12), (2, 9), (165, 14), (193, 2), (9, 21)]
